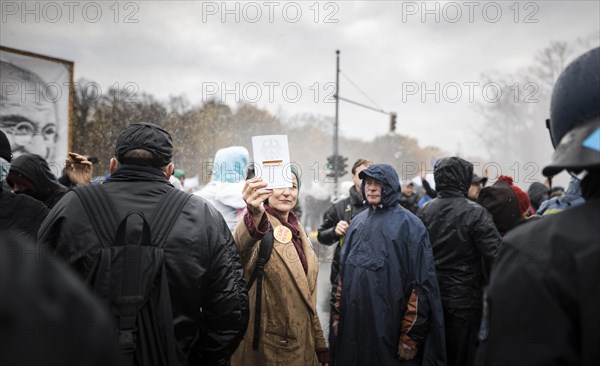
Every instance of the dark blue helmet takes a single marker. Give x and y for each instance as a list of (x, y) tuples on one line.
[(575, 116)]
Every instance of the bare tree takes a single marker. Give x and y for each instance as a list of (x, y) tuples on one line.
[(513, 129), (550, 61)]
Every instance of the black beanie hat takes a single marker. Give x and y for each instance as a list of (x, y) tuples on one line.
[(502, 202), (5, 151), (146, 136)]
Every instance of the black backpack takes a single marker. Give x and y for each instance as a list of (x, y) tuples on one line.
[(130, 275)]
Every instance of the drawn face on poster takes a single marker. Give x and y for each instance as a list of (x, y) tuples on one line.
[(34, 104)]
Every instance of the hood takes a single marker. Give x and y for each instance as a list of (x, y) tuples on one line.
[(35, 170), (452, 176), (538, 193), (390, 184), (231, 164)]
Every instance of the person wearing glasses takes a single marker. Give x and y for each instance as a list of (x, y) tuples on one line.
[(28, 117)]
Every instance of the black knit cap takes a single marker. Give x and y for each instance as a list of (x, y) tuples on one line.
[(502, 202), (5, 151), (146, 136)]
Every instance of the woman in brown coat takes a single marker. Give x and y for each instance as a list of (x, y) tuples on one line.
[(290, 330)]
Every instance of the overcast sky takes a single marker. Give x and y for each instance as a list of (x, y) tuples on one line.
[(271, 49)]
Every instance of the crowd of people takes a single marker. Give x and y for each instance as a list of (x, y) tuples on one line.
[(135, 271)]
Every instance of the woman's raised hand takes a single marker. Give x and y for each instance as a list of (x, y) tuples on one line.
[(254, 195)]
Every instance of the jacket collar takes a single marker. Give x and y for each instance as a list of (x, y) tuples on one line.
[(138, 173)]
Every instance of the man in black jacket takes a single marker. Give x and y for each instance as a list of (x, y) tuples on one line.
[(208, 296), (21, 215), (336, 221), (544, 294), (464, 242)]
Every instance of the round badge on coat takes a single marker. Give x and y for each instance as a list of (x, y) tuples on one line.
[(282, 234)]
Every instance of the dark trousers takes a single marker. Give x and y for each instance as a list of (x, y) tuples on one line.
[(331, 340), (462, 329)]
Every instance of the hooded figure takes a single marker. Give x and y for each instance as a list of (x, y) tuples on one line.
[(224, 191), (464, 242), (389, 295), (31, 175)]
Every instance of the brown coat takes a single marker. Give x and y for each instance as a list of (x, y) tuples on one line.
[(290, 327)]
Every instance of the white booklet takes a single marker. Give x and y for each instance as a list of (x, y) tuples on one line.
[(272, 160)]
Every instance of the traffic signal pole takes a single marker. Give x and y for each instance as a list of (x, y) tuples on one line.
[(336, 124), (336, 162)]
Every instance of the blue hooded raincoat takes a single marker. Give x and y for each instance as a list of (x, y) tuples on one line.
[(386, 261)]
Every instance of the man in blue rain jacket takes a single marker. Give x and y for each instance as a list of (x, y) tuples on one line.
[(389, 299)]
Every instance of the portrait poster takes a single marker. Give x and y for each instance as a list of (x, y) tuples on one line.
[(36, 103)]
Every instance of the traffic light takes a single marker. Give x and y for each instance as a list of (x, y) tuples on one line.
[(336, 165), (392, 122), (341, 165), (331, 166)]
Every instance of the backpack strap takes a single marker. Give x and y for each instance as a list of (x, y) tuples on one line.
[(131, 298), (100, 210), (264, 254), (166, 214), (102, 215)]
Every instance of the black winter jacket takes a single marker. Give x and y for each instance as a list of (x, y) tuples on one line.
[(344, 209), (49, 317), (544, 293), (462, 233), (20, 215), (208, 295)]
